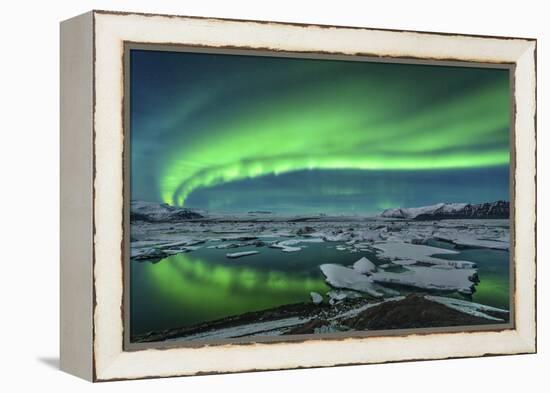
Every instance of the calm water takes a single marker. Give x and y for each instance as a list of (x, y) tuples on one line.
[(204, 285)]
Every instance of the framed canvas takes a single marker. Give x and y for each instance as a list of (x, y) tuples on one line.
[(246, 195)]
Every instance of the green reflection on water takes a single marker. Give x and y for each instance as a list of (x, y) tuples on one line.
[(204, 285), (494, 275), (183, 289)]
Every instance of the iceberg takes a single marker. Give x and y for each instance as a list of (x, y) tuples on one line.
[(364, 266), (316, 298), (431, 278), (401, 251), (343, 277)]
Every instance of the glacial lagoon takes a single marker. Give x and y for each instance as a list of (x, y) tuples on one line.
[(202, 285)]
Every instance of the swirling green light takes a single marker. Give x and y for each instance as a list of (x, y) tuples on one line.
[(360, 122)]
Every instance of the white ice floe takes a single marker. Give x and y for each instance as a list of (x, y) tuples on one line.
[(343, 277), (339, 237), (432, 278), (174, 251), (225, 246), (400, 251), (241, 254), (463, 239), (147, 253), (364, 266), (316, 298), (369, 236), (475, 309), (290, 245)]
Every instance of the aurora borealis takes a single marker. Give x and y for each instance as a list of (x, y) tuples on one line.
[(239, 133)]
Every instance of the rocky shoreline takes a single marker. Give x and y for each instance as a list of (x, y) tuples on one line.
[(350, 314)]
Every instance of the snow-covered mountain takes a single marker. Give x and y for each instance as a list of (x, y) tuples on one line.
[(160, 212), (440, 211)]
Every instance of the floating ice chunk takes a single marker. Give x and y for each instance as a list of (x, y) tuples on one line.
[(370, 236), (241, 254), (175, 251), (397, 251), (185, 242), (343, 277), (292, 249), (290, 245), (335, 238), (364, 266), (296, 241), (465, 240), (432, 278), (226, 245), (316, 298), (284, 248), (475, 309), (150, 253)]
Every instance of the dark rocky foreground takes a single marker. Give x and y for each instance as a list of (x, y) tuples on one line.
[(286, 311), (413, 311)]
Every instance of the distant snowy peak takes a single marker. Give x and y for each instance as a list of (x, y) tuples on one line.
[(440, 211), (413, 212), (160, 212)]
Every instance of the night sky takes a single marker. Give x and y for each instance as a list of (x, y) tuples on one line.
[(240, 133)]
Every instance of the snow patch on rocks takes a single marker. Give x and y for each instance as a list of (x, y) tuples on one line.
[(475, 309)]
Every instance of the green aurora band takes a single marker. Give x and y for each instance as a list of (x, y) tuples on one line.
[(374, 117)]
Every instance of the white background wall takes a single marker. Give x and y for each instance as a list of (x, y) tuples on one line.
[(29, 195)]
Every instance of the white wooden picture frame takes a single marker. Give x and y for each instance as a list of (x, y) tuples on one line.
[(93, 194)]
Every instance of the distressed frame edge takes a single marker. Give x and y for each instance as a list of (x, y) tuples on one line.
[(526, 137), (76, 196), (527, 340), (304, 24)]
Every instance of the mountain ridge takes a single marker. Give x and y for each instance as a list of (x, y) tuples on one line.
[(488, 210), (160, 212)]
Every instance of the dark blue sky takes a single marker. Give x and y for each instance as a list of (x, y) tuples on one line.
[(241, 133)]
